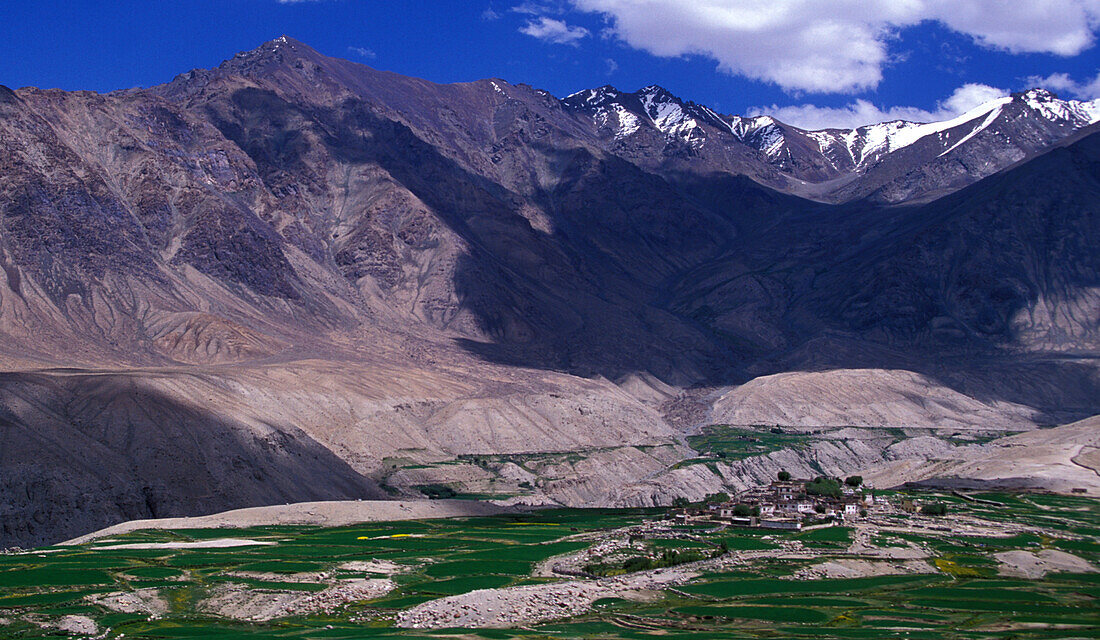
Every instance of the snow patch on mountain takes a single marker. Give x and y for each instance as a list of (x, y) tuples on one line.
[(769, 139), (978, 129), (869, 143), (910, 135), (825, 139), (626, 123), (1050, 107), (592, 98), (669, 116), (743, 127)]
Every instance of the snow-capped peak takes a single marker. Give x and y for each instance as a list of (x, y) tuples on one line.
[(591, 98), (844, 149), (607, 108), (662, 108), (864, 145), (742, 126), (1049, 106), (656, 92), (668, 114), (904, 134), (872, 141), (653, 103)]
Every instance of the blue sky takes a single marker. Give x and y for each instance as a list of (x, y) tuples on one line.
[(815, 62)]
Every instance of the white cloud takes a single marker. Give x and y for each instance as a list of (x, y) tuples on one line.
[(612, 66), (1062, 83), (1061, 27), (363, 52), (966, 98), (555, 31), (839, 46), (535, 8), (861, 112)]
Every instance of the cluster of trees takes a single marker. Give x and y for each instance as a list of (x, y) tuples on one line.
[(934, 509), (744, 510), (711, 498), (437, 491), (667, 558), (822, 486)]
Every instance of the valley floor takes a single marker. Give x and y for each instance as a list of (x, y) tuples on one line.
[(1016, 565)]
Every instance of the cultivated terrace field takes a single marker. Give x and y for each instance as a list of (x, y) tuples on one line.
[(1016, 566)]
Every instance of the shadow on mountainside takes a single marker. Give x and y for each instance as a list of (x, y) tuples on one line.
[(713, 279), (993, 291), (579, 298), (84, 451)]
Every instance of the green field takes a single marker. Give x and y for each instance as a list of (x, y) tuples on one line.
[(966, 598), (734, 443)]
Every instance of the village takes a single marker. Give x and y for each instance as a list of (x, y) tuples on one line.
[(787, 504)]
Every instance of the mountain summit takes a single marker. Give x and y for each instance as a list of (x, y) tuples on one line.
[(889, 161)]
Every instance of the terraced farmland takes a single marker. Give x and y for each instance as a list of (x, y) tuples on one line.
[(974, 574), (736, 443)]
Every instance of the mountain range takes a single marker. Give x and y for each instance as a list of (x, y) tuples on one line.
[(294, 277)]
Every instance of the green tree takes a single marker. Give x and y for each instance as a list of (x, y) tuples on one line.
[(717, 497), (853, 481), (784, 476), (437, 491), (822, 486), (934, 509)]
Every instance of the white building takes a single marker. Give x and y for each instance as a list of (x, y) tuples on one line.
[(789, 525)]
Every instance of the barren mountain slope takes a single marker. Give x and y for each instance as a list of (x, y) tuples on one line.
[(1059, 459), (991, 292), (84, 449), (286, 277)]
